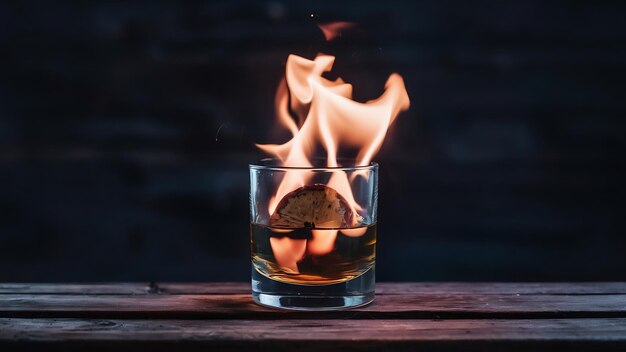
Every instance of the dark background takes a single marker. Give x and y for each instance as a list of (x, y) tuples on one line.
[(126, 129)]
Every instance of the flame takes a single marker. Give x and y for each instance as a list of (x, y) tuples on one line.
[(323, 242), (356, 232), (327, 115), (333, 29), (318, 111), (288, 252)]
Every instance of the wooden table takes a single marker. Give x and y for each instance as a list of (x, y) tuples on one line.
[(222, 316)]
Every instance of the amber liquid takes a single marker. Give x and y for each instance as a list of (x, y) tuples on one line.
[(342, 258)]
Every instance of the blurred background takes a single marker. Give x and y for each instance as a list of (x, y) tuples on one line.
[(126, 129)]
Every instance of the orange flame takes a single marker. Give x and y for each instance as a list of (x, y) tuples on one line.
[(356, 232), (322, 242), (326, 115), (287, 252), (333, 29)]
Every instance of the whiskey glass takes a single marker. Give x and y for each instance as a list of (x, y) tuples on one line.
[(313, 235)]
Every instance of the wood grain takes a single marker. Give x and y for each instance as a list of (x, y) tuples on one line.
[(385, 288), (404, 317), (318, 334), (419, 305), (78, 288)]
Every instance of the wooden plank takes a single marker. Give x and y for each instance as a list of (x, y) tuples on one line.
[(122, 288), (386, 288), (242, 306), (527, 288), (381, 288), (317, 334), (202, 288)]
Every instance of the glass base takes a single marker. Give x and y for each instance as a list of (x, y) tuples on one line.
[(349, 294)]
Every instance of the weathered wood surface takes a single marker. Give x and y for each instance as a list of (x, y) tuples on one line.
[(310, 335), (240, 306), (428, 316), (83, 289), (567, 288)]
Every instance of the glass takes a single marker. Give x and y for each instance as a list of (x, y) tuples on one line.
[(314, 247)]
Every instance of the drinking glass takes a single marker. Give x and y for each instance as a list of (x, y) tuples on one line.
[(313, 235)]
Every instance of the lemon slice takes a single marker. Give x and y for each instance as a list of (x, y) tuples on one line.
[(315, 206)]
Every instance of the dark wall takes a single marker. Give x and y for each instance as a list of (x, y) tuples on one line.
[(126, 129)]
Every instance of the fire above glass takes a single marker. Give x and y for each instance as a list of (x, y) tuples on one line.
[(313, 222)]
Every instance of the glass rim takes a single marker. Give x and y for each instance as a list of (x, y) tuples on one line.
[(273, 164)]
